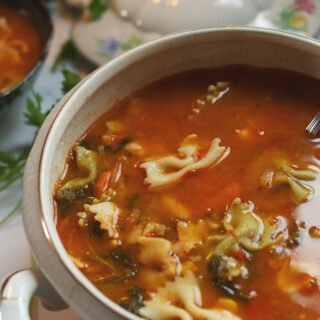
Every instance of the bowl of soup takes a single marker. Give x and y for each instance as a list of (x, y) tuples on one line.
[(25, 31), (177, 182)]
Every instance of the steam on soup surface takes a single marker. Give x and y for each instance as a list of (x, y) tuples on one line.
[(19, 47), (197, 198)]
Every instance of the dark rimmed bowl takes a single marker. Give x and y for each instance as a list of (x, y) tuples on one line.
[(39, 14)]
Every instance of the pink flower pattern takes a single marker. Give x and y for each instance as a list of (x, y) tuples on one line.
[(305, 5)]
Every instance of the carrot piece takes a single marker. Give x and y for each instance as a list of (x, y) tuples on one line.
[(102, 183), (107, 179), (239, 254)]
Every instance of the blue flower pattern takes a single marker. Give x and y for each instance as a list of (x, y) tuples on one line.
[(110, 46)]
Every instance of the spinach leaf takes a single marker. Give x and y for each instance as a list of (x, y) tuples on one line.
[(134, 301), (97, 8), (220, 270), (125, 261)]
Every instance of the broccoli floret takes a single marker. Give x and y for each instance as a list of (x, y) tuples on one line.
[(223, 269)]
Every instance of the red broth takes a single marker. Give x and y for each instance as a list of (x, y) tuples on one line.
[(19, 47), (260, 114)]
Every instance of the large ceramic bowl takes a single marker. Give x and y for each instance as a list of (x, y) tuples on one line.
[(93, 97)]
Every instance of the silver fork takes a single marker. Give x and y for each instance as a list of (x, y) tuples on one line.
[(313, 127)]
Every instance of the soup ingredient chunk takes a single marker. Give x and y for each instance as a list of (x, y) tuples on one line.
[(157, 253), (134, 301), (224, 271), (292, 176), (170, 169), (107, 214), (183, 291), (245, 229), (87, 161), (245, 233)]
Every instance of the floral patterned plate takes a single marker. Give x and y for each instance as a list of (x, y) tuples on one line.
[(100, 41), (300, 16), (121, 29)]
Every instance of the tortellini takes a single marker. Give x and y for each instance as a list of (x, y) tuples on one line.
[(170, 169), (181, 299), (246, 229), (86, 160)]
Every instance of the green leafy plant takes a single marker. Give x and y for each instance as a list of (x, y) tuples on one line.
[(11, 167), (70, 80), (34, 115), (134, 301), (12, 163), (97, 8), (68, 52)]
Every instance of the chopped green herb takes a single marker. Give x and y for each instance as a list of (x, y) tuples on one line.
[(70, 80), (64, 207), (34, 115), (12, 163), (83, 192), (12, 166), (68, 52), (95, 257), (134, 301), (11, 213), (11, 170), (125, 261), (123, 142), (221, 271), (97, 8)]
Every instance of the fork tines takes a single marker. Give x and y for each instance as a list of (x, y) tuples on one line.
[(314, 126)]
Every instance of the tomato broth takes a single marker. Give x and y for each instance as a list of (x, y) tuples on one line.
[(152, 202), (20, 47)]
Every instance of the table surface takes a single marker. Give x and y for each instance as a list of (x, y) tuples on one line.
[(15, 251)]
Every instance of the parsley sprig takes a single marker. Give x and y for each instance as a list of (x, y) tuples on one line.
[(34, 116), (97, 8), (71, 79), (11, 167), (68, 52), (12, 163)]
